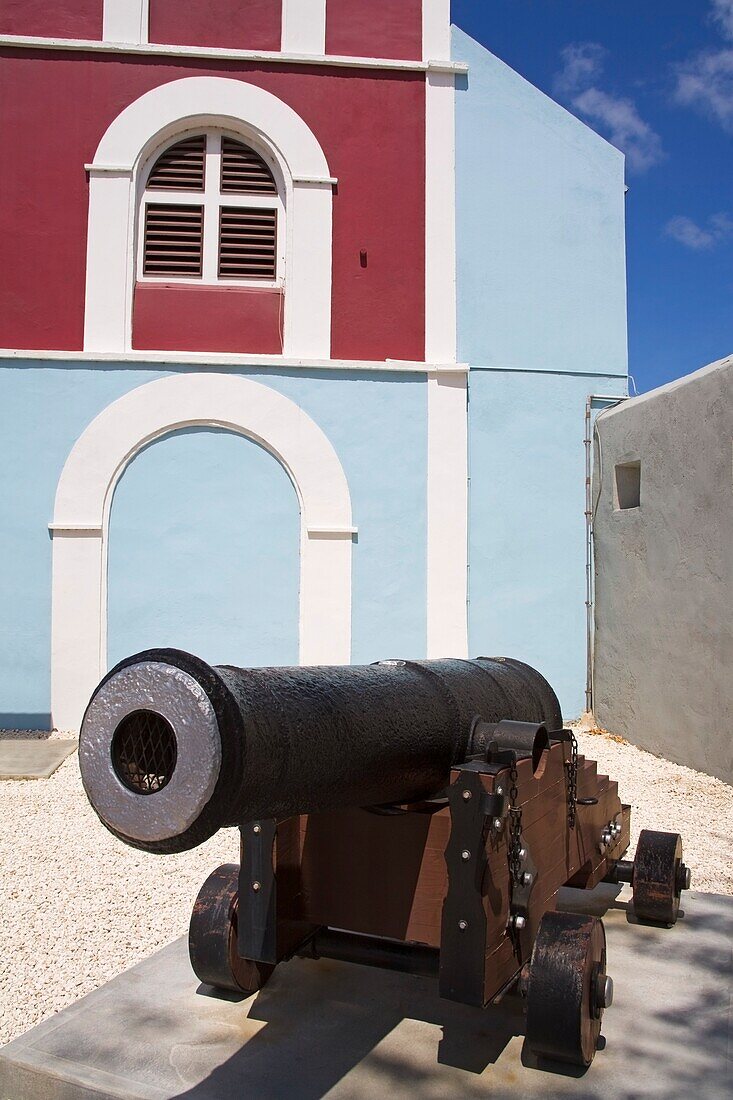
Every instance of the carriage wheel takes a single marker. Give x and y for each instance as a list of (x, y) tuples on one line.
[(568, 988), (659, 877), (212, 936)]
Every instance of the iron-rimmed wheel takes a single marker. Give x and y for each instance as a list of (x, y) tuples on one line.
[(659, 877), (568, 988), (212, 936)]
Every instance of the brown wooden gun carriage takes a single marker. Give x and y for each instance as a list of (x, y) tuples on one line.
[(458, 880)]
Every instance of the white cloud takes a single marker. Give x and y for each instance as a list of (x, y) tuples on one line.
[(699, 238), (582, 63), (722, 225), (624, 125), (722, 14), (616, 116), (706, 82), (687, 232)]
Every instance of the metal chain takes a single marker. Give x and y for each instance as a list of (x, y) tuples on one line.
[(572, 769), (515, 826), (514, 846)]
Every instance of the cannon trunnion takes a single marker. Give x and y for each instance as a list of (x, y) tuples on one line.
[(419, 816)]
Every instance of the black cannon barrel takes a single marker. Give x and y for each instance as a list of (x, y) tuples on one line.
[(172, 749)]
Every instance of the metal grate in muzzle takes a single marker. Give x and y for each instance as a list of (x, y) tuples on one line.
[(144, 752)]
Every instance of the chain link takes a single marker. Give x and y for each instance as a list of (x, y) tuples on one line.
[(572, 769), (515, 826)]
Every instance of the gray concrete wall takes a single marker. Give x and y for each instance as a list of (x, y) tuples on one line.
[(663, 668)]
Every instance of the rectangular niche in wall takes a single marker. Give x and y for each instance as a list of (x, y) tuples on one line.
[(627, 485)]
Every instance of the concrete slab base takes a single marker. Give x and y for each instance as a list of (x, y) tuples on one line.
[(332, 1029), (25, 759)]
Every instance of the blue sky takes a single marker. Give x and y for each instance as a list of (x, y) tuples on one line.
[(656, 78)]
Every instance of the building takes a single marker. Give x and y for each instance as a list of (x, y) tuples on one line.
[(302, 303), (663, 534)]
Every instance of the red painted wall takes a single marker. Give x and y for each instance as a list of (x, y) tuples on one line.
[(371, 126), (229, 24), (194, 318), (60, 19), (374, 28)]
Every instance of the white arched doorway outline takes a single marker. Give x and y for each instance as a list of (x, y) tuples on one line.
[(147, 122), (83, 503)]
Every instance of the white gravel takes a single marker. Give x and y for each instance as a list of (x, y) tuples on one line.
[(671, 798), (79, 906)]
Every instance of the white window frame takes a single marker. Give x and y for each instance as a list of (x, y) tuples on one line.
[(205, 101), (212, 199)]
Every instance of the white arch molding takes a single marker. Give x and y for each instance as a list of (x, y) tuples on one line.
[(158, 115), (84, 496)]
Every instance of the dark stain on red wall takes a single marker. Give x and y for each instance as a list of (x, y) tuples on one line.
[(62, 19), (371, 125), (374, 28), (207, 318), (225, 24)]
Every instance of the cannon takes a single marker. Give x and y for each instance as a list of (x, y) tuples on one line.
[(414, 815)]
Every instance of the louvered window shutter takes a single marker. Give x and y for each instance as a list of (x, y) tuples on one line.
[(181, 167), (247, 243), (173, 231), (174, 238), (243, 171)]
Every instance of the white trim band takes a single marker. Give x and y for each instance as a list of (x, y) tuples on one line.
[(125, 21), (315, 181), (72, 527), (447, 516), (332, 532), (436, 32), (303, 27), (270, 56), (113, 169), (84, 498), (440, 219), (221, 359), (447, 504)]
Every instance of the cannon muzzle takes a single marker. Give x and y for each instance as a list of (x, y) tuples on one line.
[(172, 749)]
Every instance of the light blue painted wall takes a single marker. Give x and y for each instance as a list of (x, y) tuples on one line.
[(540, 227), (542, 323), (527, 532), (43, 410), (212, 569), (376, 422)]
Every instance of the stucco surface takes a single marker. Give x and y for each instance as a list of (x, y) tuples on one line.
[(374, 142), (213, 570), (541, 312), (527, 530), (225, 24), (378, 427), (541, 274), (664, 572)]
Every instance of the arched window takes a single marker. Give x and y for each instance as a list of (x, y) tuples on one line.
[(211, 211), (118, 176)]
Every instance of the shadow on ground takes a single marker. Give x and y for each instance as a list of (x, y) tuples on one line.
[(350, 1032), (329, 1025)]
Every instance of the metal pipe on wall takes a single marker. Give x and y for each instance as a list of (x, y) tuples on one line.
[(590, 510)]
